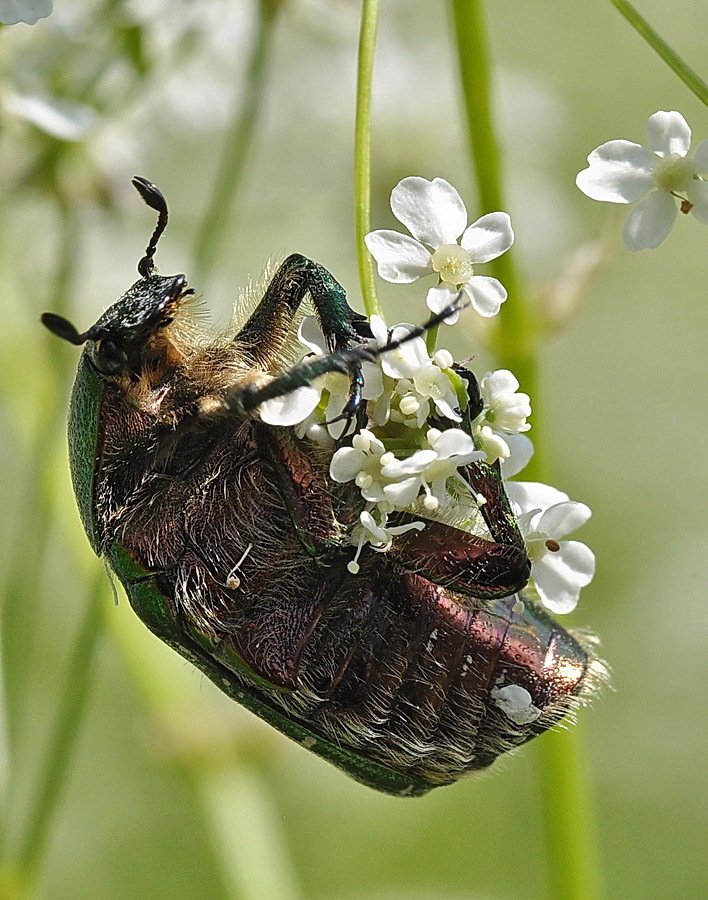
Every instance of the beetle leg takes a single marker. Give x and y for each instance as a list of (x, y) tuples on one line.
[(266, 329), (463, 561), (244, 400), (320, 517)]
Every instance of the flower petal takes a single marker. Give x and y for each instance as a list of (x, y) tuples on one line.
[(27, 11), (650, 222), (403, 493), (373, 381), (432, 211), (698, 195), (521, 452), (563, 518), (497, 384), (455, 442), (440, 297), (346, 464), (668, 132), (291, 408), (310, 334), (560, 576), (486, 294), (400, 259), (528, 495), (488, 237), (406, 360), (700, 158), (379, 330), (412, 465), (619, 172)]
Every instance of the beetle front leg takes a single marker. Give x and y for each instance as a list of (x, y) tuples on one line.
[(266, 330)]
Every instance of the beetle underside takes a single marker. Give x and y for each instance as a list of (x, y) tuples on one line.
[(234, 544)]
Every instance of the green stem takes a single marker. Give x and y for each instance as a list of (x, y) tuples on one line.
[(32, 531), (237, 145), (567, 813), (568, 817), (362, 153), (515, 333), (691, 79), (63, 740)]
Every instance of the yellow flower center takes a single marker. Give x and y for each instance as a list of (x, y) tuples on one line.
[(673, 174), (453, 264)]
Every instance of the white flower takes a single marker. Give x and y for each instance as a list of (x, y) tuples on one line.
[(362, 463), (559, 568), (27, 11), (505, 408), (428, 470), (301, 407), (436, 216), (625, 172), (379, 534), (504, 414)]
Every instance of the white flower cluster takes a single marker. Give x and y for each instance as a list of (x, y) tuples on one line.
[(409, 455)]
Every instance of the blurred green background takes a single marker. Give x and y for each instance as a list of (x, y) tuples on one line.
[(173, 791)]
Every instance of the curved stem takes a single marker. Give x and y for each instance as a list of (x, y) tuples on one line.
[(63, 740), (362, 153), (32, 528), (237, 145), (691, 79), (567, 823)]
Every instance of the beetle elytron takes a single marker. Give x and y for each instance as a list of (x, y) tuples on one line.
[(230, 540)]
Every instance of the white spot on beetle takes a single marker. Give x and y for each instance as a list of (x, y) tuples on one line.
[(516, 703), (308, 743)]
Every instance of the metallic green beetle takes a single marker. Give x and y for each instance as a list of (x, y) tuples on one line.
[(230, 540)]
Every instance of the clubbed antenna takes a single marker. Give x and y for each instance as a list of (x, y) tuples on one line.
[(64, 329), (153, 197)]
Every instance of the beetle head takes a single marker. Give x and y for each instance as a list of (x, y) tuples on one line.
[(127, 334)]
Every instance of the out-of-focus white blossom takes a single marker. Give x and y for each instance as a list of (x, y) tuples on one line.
[(661, 179)]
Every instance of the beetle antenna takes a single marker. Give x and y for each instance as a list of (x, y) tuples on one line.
[(64, 329), (154, 198)]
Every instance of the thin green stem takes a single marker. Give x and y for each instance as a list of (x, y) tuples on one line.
[(514, 337), (569, 817), (567, 813), (237, 144), (32, 528), (362, 153), (63, 739), (691, 79)]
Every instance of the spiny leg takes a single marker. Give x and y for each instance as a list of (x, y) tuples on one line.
[(244, 400), (298, 276)]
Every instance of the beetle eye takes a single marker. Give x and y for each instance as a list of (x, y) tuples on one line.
[(108, 357)]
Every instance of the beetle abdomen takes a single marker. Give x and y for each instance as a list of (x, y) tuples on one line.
[(432, 684)]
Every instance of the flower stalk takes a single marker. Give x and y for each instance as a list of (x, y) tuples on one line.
[(237, 144), (567, 824), (362, 153), (691, 79)]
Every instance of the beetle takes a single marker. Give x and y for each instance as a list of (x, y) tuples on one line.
[(230, 539)]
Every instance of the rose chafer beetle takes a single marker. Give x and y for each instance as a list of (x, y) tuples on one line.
[(230, 539)]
